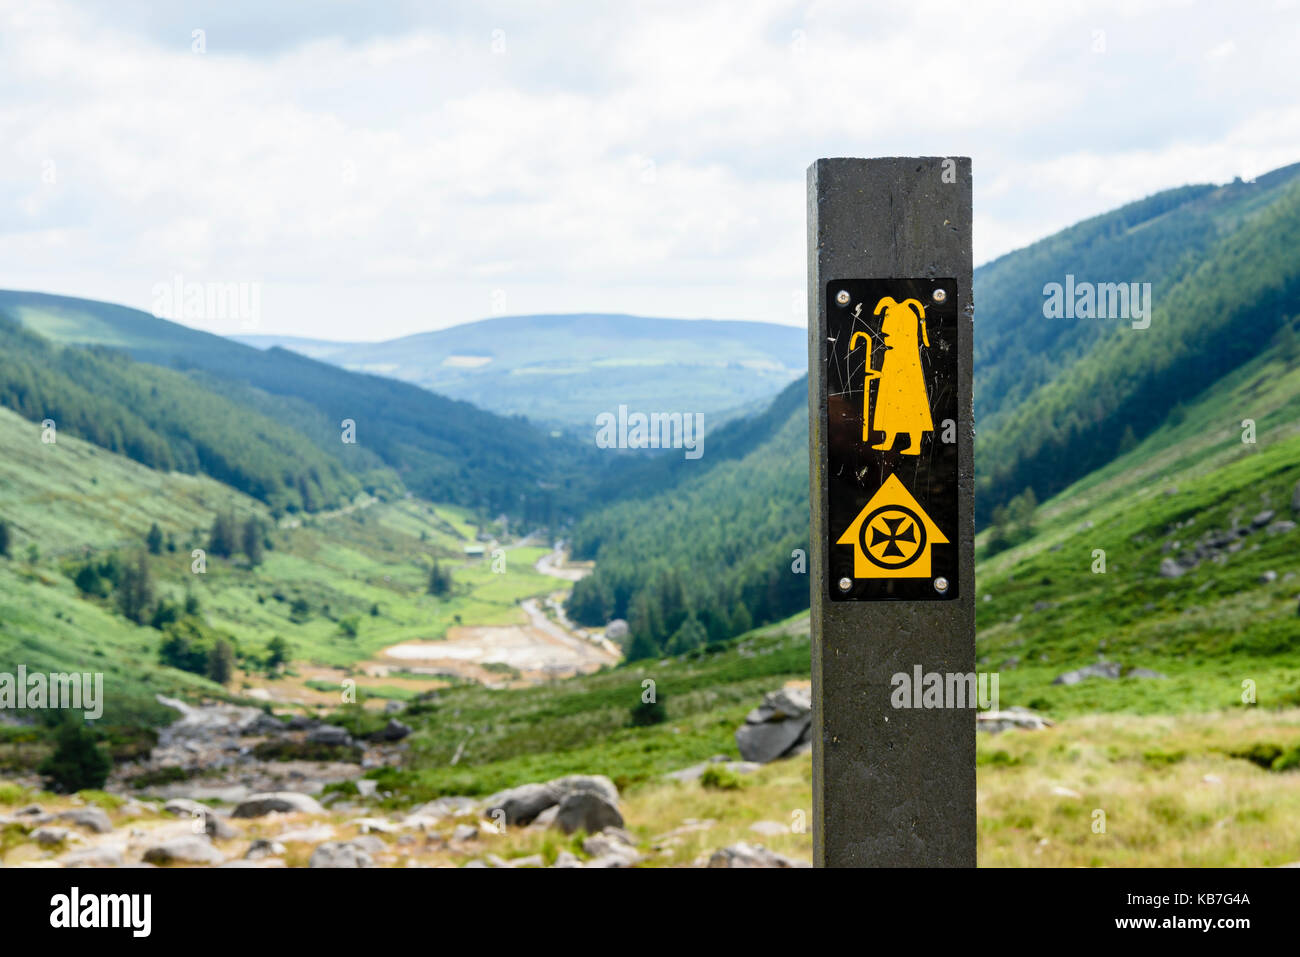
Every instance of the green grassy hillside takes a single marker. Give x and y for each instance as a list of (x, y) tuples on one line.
[(72, 502), (1192, 493)]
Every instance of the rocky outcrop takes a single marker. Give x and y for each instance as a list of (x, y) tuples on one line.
[(780, 727), (521, 805), (1216, 545)]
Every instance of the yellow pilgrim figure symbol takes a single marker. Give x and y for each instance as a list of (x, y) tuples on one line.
[(892, 536), (902, 404)]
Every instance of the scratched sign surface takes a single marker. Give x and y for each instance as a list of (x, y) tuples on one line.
[(891, 429)]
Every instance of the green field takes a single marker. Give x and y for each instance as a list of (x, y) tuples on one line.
[(71, 501)]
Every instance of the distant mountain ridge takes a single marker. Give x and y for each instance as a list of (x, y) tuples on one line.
[(564, 369)]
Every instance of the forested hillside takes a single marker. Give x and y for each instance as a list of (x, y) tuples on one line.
[(441, 448), (710, 556), (1057, 398), (164, 420)]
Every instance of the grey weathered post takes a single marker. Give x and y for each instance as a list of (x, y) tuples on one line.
[(891, 786)]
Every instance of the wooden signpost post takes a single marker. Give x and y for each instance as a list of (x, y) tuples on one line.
[(892, 496)]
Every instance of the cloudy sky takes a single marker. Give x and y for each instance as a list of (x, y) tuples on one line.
[(386, 168)]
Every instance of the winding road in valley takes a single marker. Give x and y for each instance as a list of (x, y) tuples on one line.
[(544, 648)]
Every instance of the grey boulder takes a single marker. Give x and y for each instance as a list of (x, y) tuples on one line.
[(1104, 669), (264, 724), (340, 854), (585, 811), (49, 836), (184, 807), (218, 828), (393, 731), (1144, 673), (1170, 569), (187, 849), (521, 805), (92, 818), (286, 802), (262, 848), (778, 727), (330, 734), (102, 855)]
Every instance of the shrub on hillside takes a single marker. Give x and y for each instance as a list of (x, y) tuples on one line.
[(647, 713), (716, 777), (77, 762)]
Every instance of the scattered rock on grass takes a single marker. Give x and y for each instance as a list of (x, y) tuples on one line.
[(91, 818), (742, 854), (49, 836), (1103, 669), (262, 848), (340, 854), (102, 855), (1021, 719)]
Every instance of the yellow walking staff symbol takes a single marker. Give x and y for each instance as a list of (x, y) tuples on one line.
[(901, 401)]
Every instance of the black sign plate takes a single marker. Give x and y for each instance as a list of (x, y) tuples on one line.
[(891, 438)]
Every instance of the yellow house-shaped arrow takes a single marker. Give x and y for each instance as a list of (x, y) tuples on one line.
[(892, 535)]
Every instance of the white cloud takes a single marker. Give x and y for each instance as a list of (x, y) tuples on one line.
[(386, 180)]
